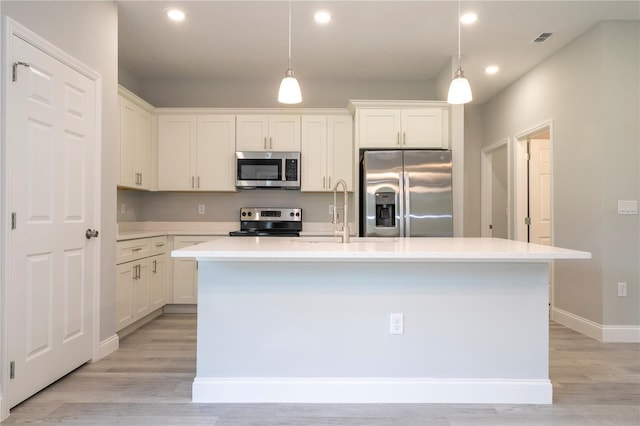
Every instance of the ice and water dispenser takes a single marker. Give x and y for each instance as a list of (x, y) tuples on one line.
[(385, 209)]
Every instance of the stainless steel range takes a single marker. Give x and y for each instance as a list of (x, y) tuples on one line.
[(269, 222)]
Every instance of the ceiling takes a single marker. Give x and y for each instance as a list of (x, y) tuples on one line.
[(380, 40)]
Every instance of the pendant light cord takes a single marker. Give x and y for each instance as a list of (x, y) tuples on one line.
[(459, 62), (289, 34)]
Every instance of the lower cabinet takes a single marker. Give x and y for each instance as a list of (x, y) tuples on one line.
[(141, 280), (185, 271)]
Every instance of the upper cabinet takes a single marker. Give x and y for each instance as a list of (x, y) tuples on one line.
[(196, 152), (326, 152), (268, 132), (415, 125), (137, 142)]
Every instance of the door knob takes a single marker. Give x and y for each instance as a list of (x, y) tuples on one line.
[(91, 233)]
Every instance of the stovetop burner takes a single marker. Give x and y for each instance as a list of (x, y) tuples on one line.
[(269, 222)]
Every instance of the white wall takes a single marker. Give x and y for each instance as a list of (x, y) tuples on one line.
[(590, 89), (88, 31)]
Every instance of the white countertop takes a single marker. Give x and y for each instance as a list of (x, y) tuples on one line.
[(375, 249)]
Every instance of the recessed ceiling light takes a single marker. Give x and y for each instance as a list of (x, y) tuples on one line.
[(176, 15), (491, 69), (469, 18), (322, 17)]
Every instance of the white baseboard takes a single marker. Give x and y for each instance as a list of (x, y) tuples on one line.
[(107, 346), (603, 333), (371, 390)]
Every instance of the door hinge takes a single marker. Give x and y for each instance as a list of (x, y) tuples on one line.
[(15, 69), (14, 220), (12, 370), (527, 221)]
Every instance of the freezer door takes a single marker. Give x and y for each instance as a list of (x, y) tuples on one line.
[(428, 196), (382, 186)]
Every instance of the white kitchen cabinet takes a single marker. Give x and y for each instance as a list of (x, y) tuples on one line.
[(397, 128), (196, 152), (268, 132), (326, 152), (185, 271), (141, 279), (137, 122)]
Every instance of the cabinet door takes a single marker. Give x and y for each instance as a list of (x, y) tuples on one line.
[(157, 281), (284, 133), (216, 153), (144, 137), (176, 152), (252, 132), (141, 289), (313, 154), (127, 143), (422, 128), (124, 294), (340, 150), (379, 128), (185, 272)]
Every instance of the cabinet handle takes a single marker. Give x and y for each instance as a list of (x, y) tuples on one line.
[(140, 178), (265, 142), (404, 138), (155, 264), (398, 142), (270, 142), (193, 179), (330, 183), (159, 244), (136, 249), (323, 185), (198, 182)]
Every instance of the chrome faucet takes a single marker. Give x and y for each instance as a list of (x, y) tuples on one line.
[(345, 232)]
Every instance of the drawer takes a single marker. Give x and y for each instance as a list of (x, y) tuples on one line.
[(133, 249), (186, 241), (158, 245)]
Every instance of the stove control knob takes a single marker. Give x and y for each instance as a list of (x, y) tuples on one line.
[(291, 214), (244, 214), (298, 214), (249, 214)]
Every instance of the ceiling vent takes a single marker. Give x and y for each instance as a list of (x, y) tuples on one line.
[(542, 37)]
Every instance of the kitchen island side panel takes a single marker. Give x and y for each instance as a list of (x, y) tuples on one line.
[(308, 322)]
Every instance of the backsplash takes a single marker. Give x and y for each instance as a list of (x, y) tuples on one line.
[(219, 207)]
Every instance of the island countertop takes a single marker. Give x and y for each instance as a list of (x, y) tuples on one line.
[(375, 249)]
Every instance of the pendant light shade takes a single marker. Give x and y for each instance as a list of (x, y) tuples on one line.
[(289, 92), (459, 90)]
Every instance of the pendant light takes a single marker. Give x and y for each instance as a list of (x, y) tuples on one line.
[(459, 90), (289, 92)]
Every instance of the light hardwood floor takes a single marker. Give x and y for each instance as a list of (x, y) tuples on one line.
[(148, 382)]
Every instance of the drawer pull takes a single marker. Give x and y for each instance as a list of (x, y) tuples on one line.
[(136, 249), (159, 244)]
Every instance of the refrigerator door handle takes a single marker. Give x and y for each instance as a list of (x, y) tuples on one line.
[(400, 203), (407, 204)]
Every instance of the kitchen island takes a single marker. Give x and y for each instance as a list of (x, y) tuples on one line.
[(310, 320)]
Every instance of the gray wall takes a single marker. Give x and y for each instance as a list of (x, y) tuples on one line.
[(264, 93), (590, 89), (88, 31)]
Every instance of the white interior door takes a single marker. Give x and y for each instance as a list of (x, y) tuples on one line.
[(499, 192), (540, 191), (51, 138)]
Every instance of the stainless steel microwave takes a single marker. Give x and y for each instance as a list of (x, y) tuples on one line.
[(257, 169)]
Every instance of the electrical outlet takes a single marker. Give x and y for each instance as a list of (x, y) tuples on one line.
[(200, 208), (123, 208), (331, 209), (622, 289), (396, 324)]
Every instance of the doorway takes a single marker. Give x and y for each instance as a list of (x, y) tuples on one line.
[(533, 214), (496, 190)]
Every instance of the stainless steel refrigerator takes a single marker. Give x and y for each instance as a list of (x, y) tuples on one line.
[(406, 193)]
